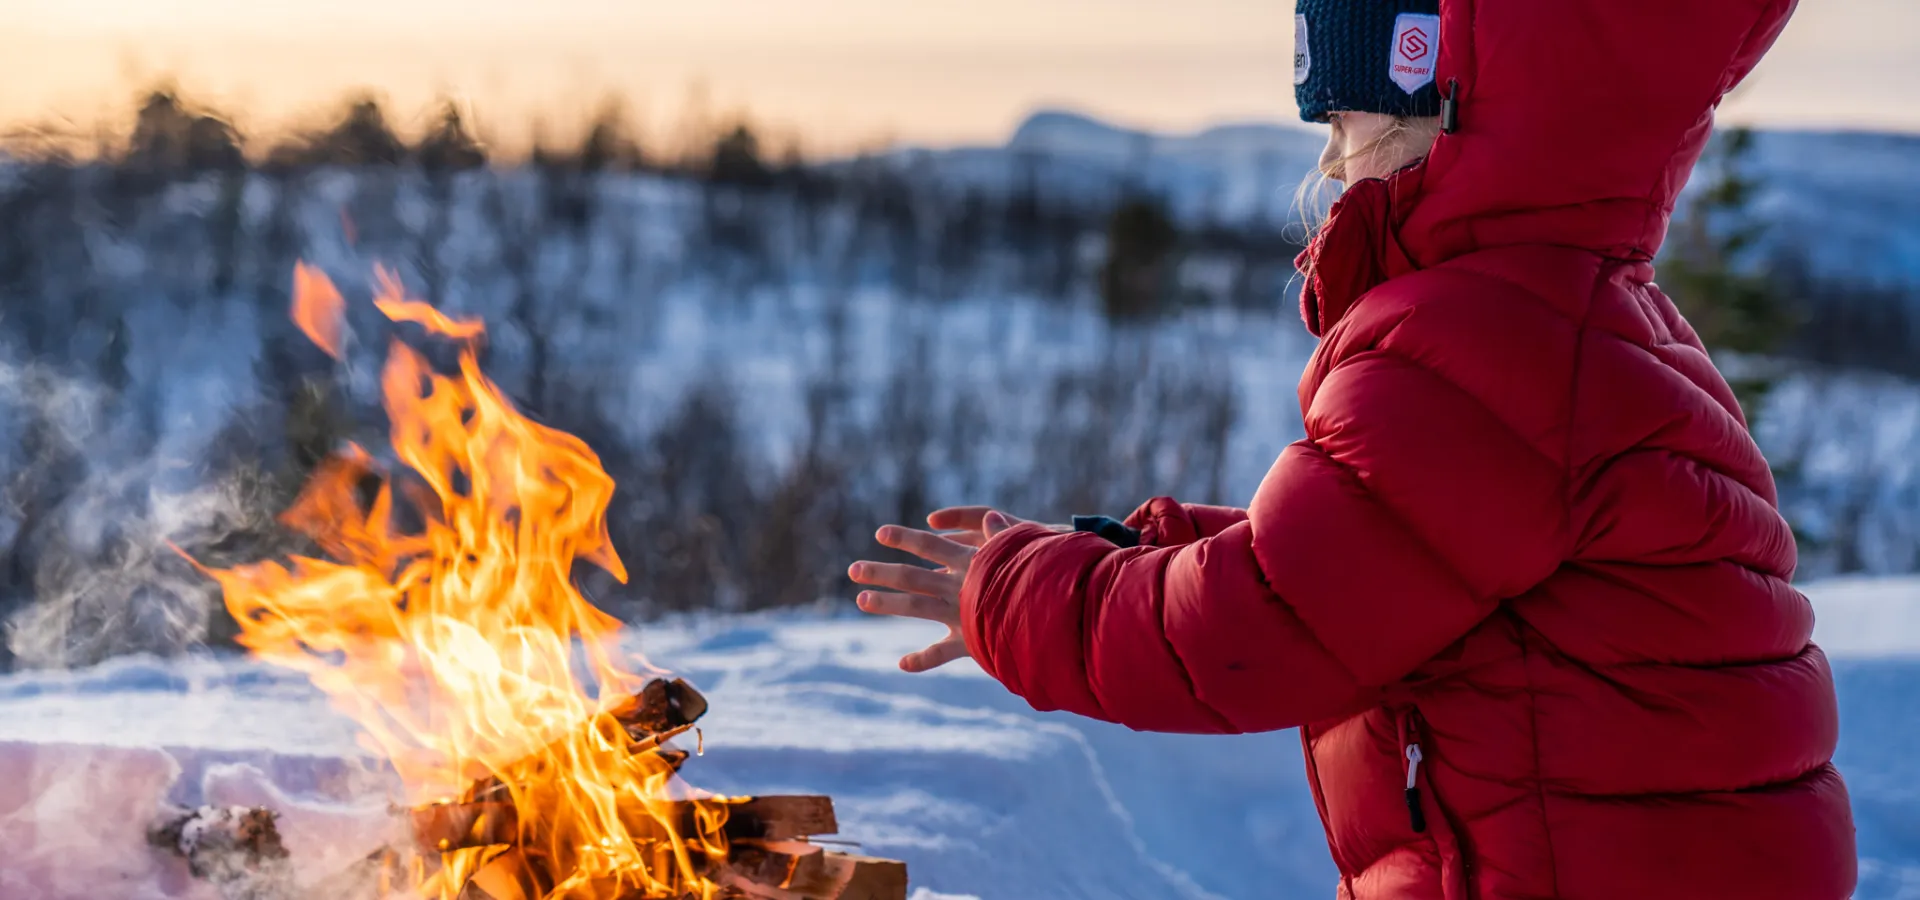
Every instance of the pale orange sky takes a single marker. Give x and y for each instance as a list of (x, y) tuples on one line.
[(838, 71)]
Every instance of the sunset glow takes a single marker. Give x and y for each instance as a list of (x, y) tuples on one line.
[(838, 72)]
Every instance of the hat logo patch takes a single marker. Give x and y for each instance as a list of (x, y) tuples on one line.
[(1413, 43), (1302, 50), (1416, 50)]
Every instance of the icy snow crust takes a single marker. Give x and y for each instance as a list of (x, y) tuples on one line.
[(980, 795)]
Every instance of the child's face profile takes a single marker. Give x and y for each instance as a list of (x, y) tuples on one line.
[(1366, 145)]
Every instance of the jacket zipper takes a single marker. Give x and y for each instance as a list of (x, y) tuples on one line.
[(1453, 885), (1410, 749), (1414, 812)]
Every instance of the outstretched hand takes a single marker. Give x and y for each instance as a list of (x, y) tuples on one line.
[(931, 594)]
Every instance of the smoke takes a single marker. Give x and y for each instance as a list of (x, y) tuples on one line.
[(93, 504)]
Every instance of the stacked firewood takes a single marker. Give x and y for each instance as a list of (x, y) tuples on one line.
[(770, 853), (769, 841)]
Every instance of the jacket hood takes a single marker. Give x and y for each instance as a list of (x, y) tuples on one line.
[(1578, 124)]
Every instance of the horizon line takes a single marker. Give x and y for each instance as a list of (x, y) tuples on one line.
[(412, 121)]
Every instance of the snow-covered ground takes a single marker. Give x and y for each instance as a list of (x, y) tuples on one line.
[(980, 795)]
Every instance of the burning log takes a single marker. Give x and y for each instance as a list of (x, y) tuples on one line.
[(507, 876), (769, 857), (444, 827), (485, 814), (660, 708)]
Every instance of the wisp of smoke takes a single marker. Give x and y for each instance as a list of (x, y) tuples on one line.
[(88, 523)]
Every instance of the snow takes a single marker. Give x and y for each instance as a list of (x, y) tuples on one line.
[(982, 797), (1848, 441), (1869, 618)]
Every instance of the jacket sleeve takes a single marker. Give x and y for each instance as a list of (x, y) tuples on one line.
[(1166, 522), (1402, 521)]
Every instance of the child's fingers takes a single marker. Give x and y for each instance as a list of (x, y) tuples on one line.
[(926, 545), (913, 606), (935, 656), (912, 579), (958, 518), (972, 538)]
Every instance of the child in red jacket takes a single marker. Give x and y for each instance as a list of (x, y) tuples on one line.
[(1523, 587)]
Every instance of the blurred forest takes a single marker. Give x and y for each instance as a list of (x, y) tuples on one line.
[(772, 354)]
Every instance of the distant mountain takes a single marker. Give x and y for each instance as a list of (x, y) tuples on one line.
[(1229, 173), (1850, 198)]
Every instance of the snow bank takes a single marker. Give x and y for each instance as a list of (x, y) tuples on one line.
[(980, 795), (1868, 617)]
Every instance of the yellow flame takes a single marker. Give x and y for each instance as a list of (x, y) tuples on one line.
[(462, 646)]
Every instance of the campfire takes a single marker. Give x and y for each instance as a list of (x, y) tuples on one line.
[(445, 620)]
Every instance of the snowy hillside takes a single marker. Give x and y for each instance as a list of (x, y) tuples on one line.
[(1852, 199), (849, 357), (979, 794)]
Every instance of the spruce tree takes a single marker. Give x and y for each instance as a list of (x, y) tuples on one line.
[(1712, 273)]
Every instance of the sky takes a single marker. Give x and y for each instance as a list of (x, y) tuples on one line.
[(834, 73)]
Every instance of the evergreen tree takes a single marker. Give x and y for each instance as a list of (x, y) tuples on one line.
[(1137, 275), (450, 146), (169, 138), (736, 158), (1710, 271)]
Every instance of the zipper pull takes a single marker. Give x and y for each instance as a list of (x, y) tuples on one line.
[(1417, 815)]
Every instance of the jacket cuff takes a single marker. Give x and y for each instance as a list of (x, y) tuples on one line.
[(1163, 522), (984, 590)]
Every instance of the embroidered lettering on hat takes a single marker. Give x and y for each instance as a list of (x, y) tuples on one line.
[(1416, 50), (1302, 52)]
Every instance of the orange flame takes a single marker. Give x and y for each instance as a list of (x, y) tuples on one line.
[(318, 308), (392, 300), (462, 647)]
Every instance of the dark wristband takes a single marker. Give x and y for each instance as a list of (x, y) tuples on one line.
[(1115, 531)]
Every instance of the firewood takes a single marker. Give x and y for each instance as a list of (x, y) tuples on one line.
[(768, 859), (656, 714), (661, 706), (795, 870), (445, 827), (781, 818), (868, 878), (506, 876)]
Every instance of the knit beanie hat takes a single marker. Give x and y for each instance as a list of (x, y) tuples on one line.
[(1376, 56)]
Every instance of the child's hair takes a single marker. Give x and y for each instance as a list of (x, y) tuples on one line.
[(1314, 195)]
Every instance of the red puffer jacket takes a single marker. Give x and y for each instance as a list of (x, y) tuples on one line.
[(1528, 559)]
